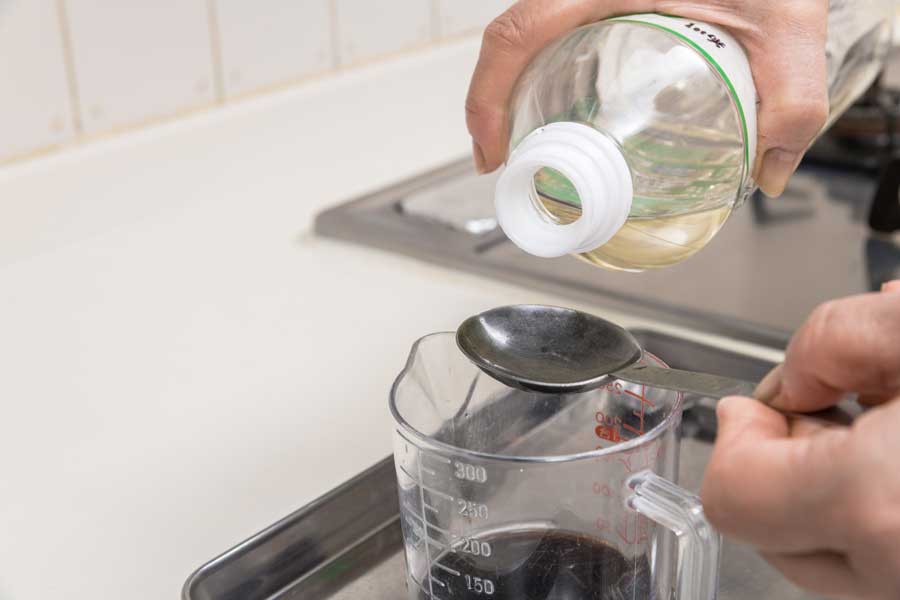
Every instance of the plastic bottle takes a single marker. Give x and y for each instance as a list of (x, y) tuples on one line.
[(633, 139)]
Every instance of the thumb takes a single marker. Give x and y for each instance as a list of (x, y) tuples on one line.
[(740, 418), (847, 345), (766, 487)]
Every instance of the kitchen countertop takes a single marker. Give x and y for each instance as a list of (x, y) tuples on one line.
[(183, 362)]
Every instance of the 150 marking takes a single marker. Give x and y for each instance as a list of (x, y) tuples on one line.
[(480, 585)]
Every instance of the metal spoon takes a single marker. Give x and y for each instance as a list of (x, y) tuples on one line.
[(561, 350)]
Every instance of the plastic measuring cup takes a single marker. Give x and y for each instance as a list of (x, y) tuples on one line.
[(511, 494)]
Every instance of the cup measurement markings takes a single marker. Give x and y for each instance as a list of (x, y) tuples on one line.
[(472, 510), (631, 529), (480, 585), (476, 548), (425, 531), (424, 528), (467, 472)]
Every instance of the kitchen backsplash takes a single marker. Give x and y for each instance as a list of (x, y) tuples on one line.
[(74, 70)]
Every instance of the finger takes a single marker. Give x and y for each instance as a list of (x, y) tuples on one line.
[(787, 57), (847, 345), (770, 387), (509, 44), (773, 491), (891, 286), (821, 573)]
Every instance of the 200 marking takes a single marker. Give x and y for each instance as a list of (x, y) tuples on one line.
[(476, 548)]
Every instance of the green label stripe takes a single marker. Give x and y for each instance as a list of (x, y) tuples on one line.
[(718, 68)]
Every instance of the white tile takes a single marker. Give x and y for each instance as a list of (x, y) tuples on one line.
[(466, 16), (265, 42), (35, 107), (369, 28), (139, 59)]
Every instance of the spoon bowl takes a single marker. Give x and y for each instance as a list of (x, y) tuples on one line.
[(546, 348)]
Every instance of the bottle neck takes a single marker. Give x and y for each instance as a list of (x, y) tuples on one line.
[(597, 171)]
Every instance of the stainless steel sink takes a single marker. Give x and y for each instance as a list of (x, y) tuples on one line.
[(347, 544)]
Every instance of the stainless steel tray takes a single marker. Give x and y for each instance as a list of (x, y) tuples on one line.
[(347, 544)]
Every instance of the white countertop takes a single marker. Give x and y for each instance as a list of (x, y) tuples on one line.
[(183, 362), (164, 401)]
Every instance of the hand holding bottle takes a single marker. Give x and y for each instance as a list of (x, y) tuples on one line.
[(785, 42)]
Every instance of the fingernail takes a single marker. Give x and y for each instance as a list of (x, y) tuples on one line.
[(777, 167), (478, 155), (891, 286), (770, 386)]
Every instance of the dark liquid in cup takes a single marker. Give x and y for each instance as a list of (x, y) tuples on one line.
[(539, 565)]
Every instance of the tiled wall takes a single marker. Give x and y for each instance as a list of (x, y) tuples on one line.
[(73, 69)]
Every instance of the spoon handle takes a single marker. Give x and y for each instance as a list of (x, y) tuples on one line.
[(716, 386), (701, 384)]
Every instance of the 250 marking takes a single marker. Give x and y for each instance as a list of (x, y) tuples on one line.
[(473, 510)]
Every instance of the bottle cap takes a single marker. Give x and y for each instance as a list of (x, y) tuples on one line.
[(594, 165)]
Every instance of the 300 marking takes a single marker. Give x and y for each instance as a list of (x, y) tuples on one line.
[(476, 548), (473, 510), (470, 472), (480, 585)]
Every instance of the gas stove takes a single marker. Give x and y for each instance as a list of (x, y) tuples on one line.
[(834, 232)]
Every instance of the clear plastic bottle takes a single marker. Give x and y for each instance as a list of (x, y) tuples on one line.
[(633, 139)]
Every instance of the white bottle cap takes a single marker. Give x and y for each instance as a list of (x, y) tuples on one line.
[(596, 168)]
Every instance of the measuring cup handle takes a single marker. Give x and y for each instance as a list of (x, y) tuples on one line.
[(678, 510)]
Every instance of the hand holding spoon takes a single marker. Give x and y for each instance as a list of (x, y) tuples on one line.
[(564, 351)]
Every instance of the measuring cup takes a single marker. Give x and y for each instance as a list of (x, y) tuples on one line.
[(508, 494)]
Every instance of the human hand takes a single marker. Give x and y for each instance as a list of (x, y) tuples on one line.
[(822, 504), (784, 39)]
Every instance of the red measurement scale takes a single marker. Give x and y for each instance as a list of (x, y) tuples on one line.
[(631, 529), (610, 428)]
